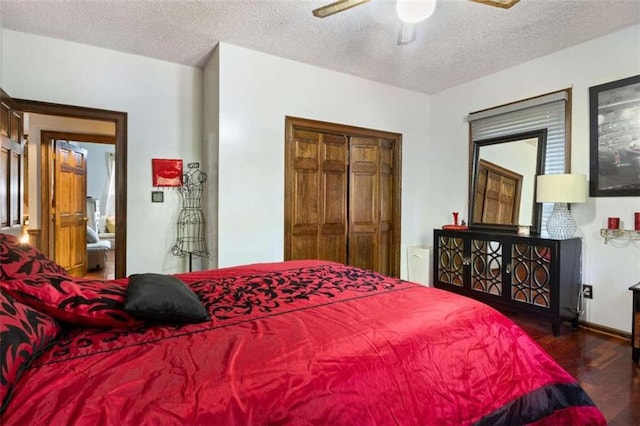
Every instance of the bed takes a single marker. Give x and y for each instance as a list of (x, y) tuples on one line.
[(299, 342)]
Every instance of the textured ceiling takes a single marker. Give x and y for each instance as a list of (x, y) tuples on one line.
[(462, 41)]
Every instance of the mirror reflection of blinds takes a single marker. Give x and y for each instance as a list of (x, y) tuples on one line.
[(548, 112)]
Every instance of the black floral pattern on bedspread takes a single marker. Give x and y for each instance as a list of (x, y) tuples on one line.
[(233, 297), (18, 260), (239, 299)]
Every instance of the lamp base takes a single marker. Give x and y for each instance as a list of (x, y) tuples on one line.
[(561, 225)]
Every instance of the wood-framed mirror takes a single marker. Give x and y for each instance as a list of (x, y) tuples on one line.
[(503, 176)]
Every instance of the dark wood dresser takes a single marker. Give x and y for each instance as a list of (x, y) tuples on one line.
[(534, 276), (635, 323)]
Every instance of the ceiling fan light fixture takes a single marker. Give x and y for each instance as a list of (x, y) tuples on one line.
[(412, 11)]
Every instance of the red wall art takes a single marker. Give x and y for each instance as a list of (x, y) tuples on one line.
[(166, 172)]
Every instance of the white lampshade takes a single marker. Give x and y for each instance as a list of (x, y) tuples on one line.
[(564, 188), (412, 11), (561, 190)]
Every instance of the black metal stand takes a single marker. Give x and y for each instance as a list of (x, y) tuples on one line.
[(191, 236)]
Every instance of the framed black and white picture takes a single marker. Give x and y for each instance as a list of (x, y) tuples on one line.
[(614, 114)]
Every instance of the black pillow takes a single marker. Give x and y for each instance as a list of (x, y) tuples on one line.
[(163, 298)]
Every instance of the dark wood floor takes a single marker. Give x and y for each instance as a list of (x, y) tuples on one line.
[(600, 362), (109, 270)]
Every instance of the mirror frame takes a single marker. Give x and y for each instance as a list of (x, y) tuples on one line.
[(541, 136)]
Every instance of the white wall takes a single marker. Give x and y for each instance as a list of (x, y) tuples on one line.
[(164, 105), (257, 91), (611, 270), (210, 133)]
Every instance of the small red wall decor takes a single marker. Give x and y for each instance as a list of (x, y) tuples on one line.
[(166, 172)]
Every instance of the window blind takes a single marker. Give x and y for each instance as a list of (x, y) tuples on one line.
[(549, 115)]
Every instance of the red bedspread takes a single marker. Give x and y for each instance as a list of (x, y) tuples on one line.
[(305, 343)]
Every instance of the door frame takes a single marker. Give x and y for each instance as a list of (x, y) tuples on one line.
[(120, 120), (294, 123), (47, 231)]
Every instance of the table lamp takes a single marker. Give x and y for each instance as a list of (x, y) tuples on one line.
[(561, 189)]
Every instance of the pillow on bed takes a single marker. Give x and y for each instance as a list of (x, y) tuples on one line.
[(24, 333), (18, 260), (110, 224), (81, 301), (163, 298)]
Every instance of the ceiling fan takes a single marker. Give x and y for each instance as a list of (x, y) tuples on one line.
[(410, 12)]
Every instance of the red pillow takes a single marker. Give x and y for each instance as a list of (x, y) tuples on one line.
[(81, 301), (19, 260), (24, 333)]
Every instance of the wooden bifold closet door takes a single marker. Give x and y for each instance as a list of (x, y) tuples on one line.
[(342, 192)]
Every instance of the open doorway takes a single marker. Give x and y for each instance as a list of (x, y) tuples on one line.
[(101, 232), (119, 121), (77, 211)]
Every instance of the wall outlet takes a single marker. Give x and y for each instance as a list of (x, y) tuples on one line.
[(587, 291)]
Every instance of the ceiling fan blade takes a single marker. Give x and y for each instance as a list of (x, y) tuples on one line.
[(505, 4), (338, 6)]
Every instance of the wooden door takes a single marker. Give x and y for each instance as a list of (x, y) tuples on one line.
[(318, 188), (10, 184), (69, 207), (497, 198), (342, 195), (364, 200), (371, 204), (11, 167), (386, 176), (333, 198)]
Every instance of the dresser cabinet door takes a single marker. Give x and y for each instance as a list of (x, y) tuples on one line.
[(531, 274), (450, 261), (487, 262)]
